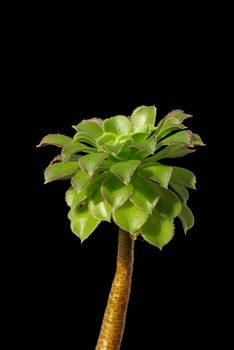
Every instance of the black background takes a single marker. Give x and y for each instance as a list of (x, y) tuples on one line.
[(62, 285)]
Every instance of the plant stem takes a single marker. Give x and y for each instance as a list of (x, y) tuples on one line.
[(113, 323)]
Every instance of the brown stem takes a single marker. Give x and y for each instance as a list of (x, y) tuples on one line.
[(113, 323)]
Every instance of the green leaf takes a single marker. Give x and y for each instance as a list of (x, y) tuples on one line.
[(119, 125), (184, 137), (115, 149), (145, 195), (58, 140), (107, 138), (115, 192), (184, 177), (89, 188), (125, 170), (169, 204), (80, 180), (172, 151), (83, 223), (139, 137), (170, 121), (181, 191), (143, 119), (98, 207), (167, 127), (70, 195), (74, 200), (129, 217), (149, 145), (56, 159), (159, 173), (92, 127), (60, 171), (197, 141), (84, 137), (186, 217), (178, 114), (157, 230), (74, 148), (106, 164), (89, 163)]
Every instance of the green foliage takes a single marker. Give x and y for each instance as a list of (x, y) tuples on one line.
[(55, 140), (60, 171), (130, 217), (157, 230), (125, 170), (90, 162), (114, 170), (82, 223), (115, 192), (157, 172), (145, 195)]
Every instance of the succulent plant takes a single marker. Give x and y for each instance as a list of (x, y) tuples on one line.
[(116, 173)]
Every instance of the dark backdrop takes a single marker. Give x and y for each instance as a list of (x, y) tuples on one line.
[(63, 285)]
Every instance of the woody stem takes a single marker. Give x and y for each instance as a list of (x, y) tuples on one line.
[(113, 323)]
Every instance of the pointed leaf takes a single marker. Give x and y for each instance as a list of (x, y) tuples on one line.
[(178, 114), (197, 141), (81, 197), (58, 140), (125, 151), (139, 137), (119, 125), (84, 137), (98, 207), (184, 137), (74, 200), (115, 192), (159, 173), (115, 149), (145, 195), (172, 151), (186, 217), (60, 171), (169, 204), (69, 196), (166, 126), (80, 180), (83, 223), (107, 138), (181, 191), (122, 138), (125, 170), (90, 162), (172, 119), (149, 145), (157, 230), (129, 217), (91, 127), (143, 119), (184, 177), (74, 148), (56, 159), (105, 165)]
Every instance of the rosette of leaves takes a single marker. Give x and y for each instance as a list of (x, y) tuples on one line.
[(117, 172)]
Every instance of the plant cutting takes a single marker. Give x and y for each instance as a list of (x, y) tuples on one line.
[(117, 174)]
